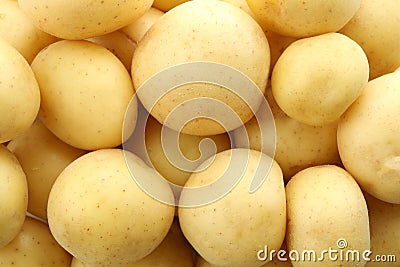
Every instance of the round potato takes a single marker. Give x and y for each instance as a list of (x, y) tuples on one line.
[(201, 31), (326, 211), (317, 78), (13, 196), (81, 19), (137, 29), (231, 230), (98, 213), (384, 222), (368, 138), (42, 156), (373, 28), (85, 93), (17, 29), (34, 246), (303, 18), (166, 5), (19, 93)]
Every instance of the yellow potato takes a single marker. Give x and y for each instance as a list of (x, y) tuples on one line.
[(303, 18), (166, 5), (81, 19), (85, 92), (202, 31), (375, 28), (34, 246), (137, 29), (98, 213), (19, 93), (298, 145), (384, 222), (231, 230), (119, 44), (42, 156), (13, 196), (326, 211), (316, 79), (368, 138), (17, 29), (171, 168)]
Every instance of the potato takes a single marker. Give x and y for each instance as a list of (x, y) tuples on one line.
[(298, 145), (166, 5), (85, 92), (137, 29), (13, 196), (81, 19), (174, 168), (303, 18), (316, 79), (202, 31), (368, 138), (326, 211), (17, 29), (34, 246), (384, 222), (19, 93), (373, 27), (98, 213), (42, 156), (230, 230), (119, 44)]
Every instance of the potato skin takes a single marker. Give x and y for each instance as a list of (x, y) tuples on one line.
[(325, 204), (371, 155), (100, 215)]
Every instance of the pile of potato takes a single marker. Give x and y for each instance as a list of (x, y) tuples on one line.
[(106, 162)]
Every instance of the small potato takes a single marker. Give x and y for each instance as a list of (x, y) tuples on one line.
[(119, 44), (303, 18), (85, 92), (316, 79), (17, 29), (326, 211), (202, 31), (13, 196), (137, 29), (98, 213), (368, 138), (375, 28), (232, 229), (384, 222), (81, 19), (19, 93), (42, 156), (34, 246), (166, 5)]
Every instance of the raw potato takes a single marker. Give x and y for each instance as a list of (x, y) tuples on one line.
[(230, 231), (19, 93), (137, 29), (85, 93), (368, 138), (13, 196), (34, 246), (375, 28), (298, 145), (174, 170), (316, 79), (42, 156), (166, 5), (201, 31), (98, 213), (325, 205), (17, 29), (384, 222), (303, 18), (81, 19)]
